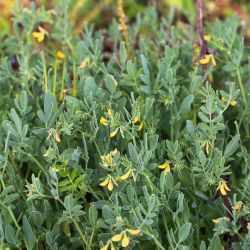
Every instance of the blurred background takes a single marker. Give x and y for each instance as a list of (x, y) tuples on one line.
[(101, 12)]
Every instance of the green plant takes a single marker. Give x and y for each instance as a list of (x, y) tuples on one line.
[(137, 148)]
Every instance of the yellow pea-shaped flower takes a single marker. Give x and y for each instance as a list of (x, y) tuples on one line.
[(125, 241), (112, 134), (134, 231), (125, 176), (104, 121), (104, 183), (117, 237), (110, 185)]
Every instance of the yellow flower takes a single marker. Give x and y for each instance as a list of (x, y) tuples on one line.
[(104, 121), (46, 153), (57, 138), (233, 103), (207, 38), (134, 231), (141, 126), (105, 247), (39, 35), (108, 182), (60, 54), (125, 176), (165, 166), (112, 134), (125, 240), (206, 144), (121, 131), (114, 152), (136, 119), (117, 237), (107, 160), (104, 183), (123, 236), (238, 206), (110, 185), (85, 63), (207, 59), (216, 221), (110, 112), (223, 188)]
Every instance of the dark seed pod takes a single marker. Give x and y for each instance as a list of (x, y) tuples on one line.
[(14, 63)]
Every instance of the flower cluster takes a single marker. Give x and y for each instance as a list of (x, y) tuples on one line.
[(121, 237)]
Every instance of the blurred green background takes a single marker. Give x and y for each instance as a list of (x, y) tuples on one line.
[(101, 12)]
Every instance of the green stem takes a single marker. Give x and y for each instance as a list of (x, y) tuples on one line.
[(36, 161), (98, 150), (157, 243), (91, 238), (241, 86), (63, 78), (13, 217), (74, 75), (79, 231), (55, 77), (45, 73)]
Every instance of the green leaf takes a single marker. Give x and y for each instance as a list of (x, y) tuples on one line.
[(202, 158), (92, 215), (50, 106), (169, 181), (154, 142), (10, 235), (146, 76), (186, 104), (90, 86), (190, 127), (123, 53), (184, 232), (111, 84), (132, 153), (203, 117), (232, 146), (29, 237), (17, 121), (215, 243), (69, 202), (107, 213), (203, 246)]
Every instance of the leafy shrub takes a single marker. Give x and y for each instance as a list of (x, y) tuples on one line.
[(108, 144)]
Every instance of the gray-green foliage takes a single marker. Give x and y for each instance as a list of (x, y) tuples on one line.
[(55, 151)]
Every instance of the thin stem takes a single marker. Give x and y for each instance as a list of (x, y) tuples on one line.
[(97, 147), (91, 238), (241, 85), (45, 73), (79, 231), (63, 78), (55, 78), (157, 243), (35, 161), (74, 75), (13, 217)]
